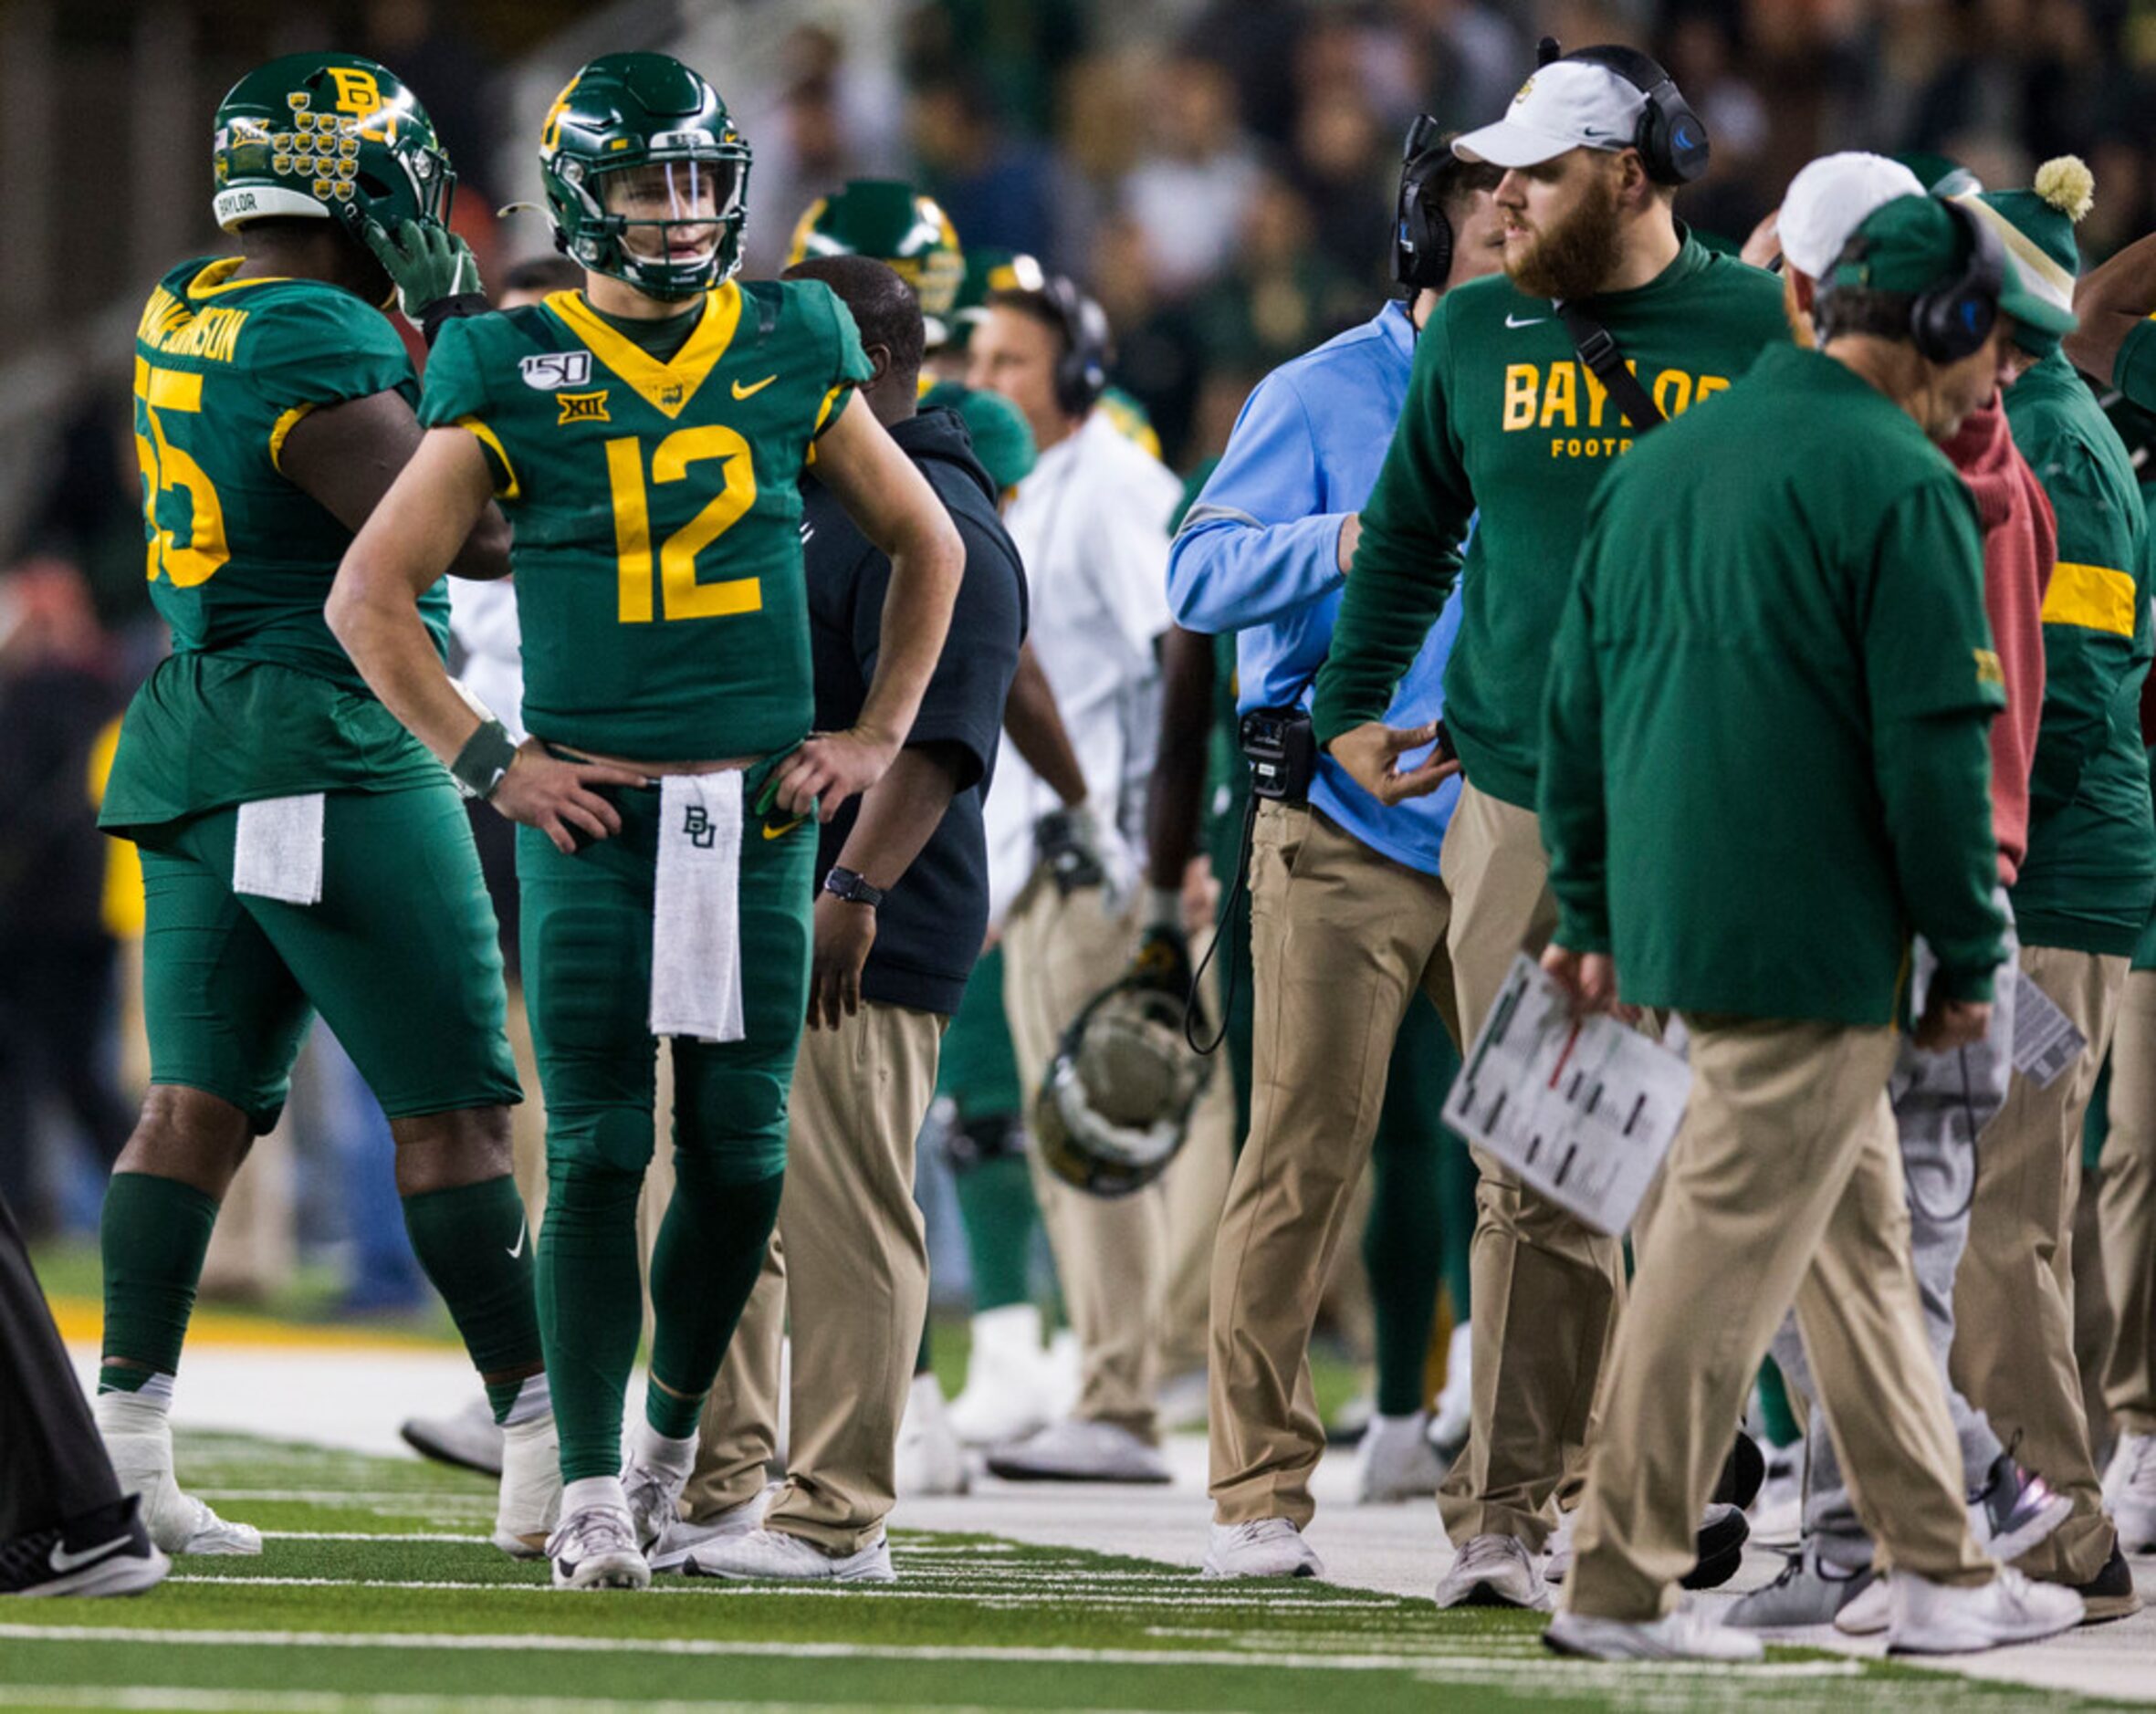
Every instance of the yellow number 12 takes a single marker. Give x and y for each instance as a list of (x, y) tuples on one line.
[(682, 596)]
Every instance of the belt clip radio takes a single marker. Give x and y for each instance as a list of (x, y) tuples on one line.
[(1282, 749)]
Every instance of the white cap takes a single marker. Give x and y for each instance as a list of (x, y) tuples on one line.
[(1830, 199), (1567, 104)]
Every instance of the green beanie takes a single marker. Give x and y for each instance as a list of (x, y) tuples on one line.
[(1001, 439), (2037, 228)]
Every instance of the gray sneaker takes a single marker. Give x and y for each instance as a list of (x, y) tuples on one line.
[(1808, 1592)]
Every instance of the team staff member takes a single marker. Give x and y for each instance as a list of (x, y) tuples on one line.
[(1505, 425), (1829, 607), (1091, 524), (1940, 1101), (903, 905), (2083, 895), (1348, 913), (646, 436)]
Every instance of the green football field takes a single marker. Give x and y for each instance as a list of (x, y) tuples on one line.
[(378, 1592)]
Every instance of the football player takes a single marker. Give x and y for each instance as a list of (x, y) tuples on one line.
[(300, 851), (645, 437)]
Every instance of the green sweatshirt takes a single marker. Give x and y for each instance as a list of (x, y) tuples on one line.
[(1764, 755), (2090, 878), (1505, 428)]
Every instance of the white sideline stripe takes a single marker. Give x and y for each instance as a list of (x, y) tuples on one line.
[(375, 1536), (185, 1701), (713, 1586), (713, 1648), (346, 1499)]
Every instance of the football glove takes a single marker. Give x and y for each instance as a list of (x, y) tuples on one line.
[(429, 264), (1072, 846)]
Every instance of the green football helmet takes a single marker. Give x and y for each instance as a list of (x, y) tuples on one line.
[(991, 270), (889, 222), (328, 137), (640, 146)]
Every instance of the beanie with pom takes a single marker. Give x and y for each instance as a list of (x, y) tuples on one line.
[(2036, 227)]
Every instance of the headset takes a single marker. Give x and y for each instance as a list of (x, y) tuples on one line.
[(1950, 321), (1082, 372), (1421, 233), (1671, 139)]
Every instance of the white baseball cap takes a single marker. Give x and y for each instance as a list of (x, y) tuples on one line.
[(1567, 104), (1829, 199)]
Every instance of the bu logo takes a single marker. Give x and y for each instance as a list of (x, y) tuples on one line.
[(697, 826), (546, 370)]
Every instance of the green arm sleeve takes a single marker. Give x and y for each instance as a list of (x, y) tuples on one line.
[(1934, 685), (1574, 820), (1408, 554)]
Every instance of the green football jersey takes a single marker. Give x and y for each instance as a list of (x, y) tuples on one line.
[(257, 699), (656, 510)]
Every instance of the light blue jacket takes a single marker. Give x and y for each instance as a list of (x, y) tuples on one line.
[(1258, 555)]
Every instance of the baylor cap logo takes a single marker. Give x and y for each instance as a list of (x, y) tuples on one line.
[(548, 371)]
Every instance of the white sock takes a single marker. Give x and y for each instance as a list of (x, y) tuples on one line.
[(588, 1491), (663, 1452), (534, 1399)]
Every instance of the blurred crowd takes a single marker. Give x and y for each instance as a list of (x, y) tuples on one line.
[(1218, 173)]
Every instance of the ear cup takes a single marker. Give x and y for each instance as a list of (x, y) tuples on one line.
[(1082, 372), (1952, 321), (1421, 235), (1671, 139)]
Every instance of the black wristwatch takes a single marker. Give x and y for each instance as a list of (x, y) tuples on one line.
[(847, 884)]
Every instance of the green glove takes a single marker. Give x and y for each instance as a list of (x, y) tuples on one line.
[(426, 262)]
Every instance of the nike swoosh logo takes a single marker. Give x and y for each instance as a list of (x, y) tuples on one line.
[(742, 392), (1532, 321), (63, 1560), (781, 832), (523, 1232)]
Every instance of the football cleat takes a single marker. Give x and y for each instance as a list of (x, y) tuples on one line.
[(470, 1441), (139, 1441), (1396, 1461), (653, 1475), (929, 1458), (1006, 1394), (103, 1552), (596, 1549)]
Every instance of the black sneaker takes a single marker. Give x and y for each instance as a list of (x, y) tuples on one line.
[(2016, 1510), (1743, 1473), (1723, 1536), (103, 1552), (2109, 1594)]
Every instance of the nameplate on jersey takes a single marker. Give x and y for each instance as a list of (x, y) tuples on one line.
[(1583, 1109), (545, 372)]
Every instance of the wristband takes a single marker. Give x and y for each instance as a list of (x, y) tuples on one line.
[(849, 885), (444, 310), (485, 758)]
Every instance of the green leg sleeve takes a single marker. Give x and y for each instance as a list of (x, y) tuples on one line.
[(1405, 1208), (996, 1203), (1457, 1178), (591, 1302), (1238, 981), (710, 1249), (474, 1242), (153, 1234), (1782, 1426)]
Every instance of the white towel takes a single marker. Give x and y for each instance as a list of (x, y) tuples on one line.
[(696, 909), (276, 852)]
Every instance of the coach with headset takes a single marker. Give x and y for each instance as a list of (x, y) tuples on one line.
[(1091, 524)]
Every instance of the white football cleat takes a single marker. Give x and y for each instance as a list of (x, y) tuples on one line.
[(1006, 1394), (929, 1458), (655, 1470), (2129, 1491), (1077, 1451), (1931, 1618), (1685, 1634), (139, 1441), (682, 1538), (531, 1501), (787, 1558), (595, 1548), (1265, 1547), (469, 1440), (1494, 1571), (1395, 1460)]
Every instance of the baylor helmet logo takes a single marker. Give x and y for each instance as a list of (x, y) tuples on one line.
[(581, 407), (545, 372)]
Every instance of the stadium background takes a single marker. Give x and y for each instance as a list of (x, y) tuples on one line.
[(1219, 173)]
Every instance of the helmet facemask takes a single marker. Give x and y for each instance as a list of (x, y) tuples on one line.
[(670, 227)]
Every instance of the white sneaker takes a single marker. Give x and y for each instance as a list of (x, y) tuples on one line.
[(595, 1548), (682, 1538), (655, 1470), (1778, 1508), (1556, 1564), (139, 1441), (1075, 1450), (2129, 1491), (774, 1553), (1006, 1392), (930, 1461), (1871, 1612), (470, 1441), (1396, 1461), (1455, 1410), (1494, 1571), (1685, 1634), (531, 1498), (1269, 1547), (1931, 1619)]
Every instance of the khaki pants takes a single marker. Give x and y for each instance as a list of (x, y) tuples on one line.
[(2014, 1297), (1111, 1254), (1547, 1291), (1784, 1183), (850, 1266), (1341, 937), (2128, 1207)]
